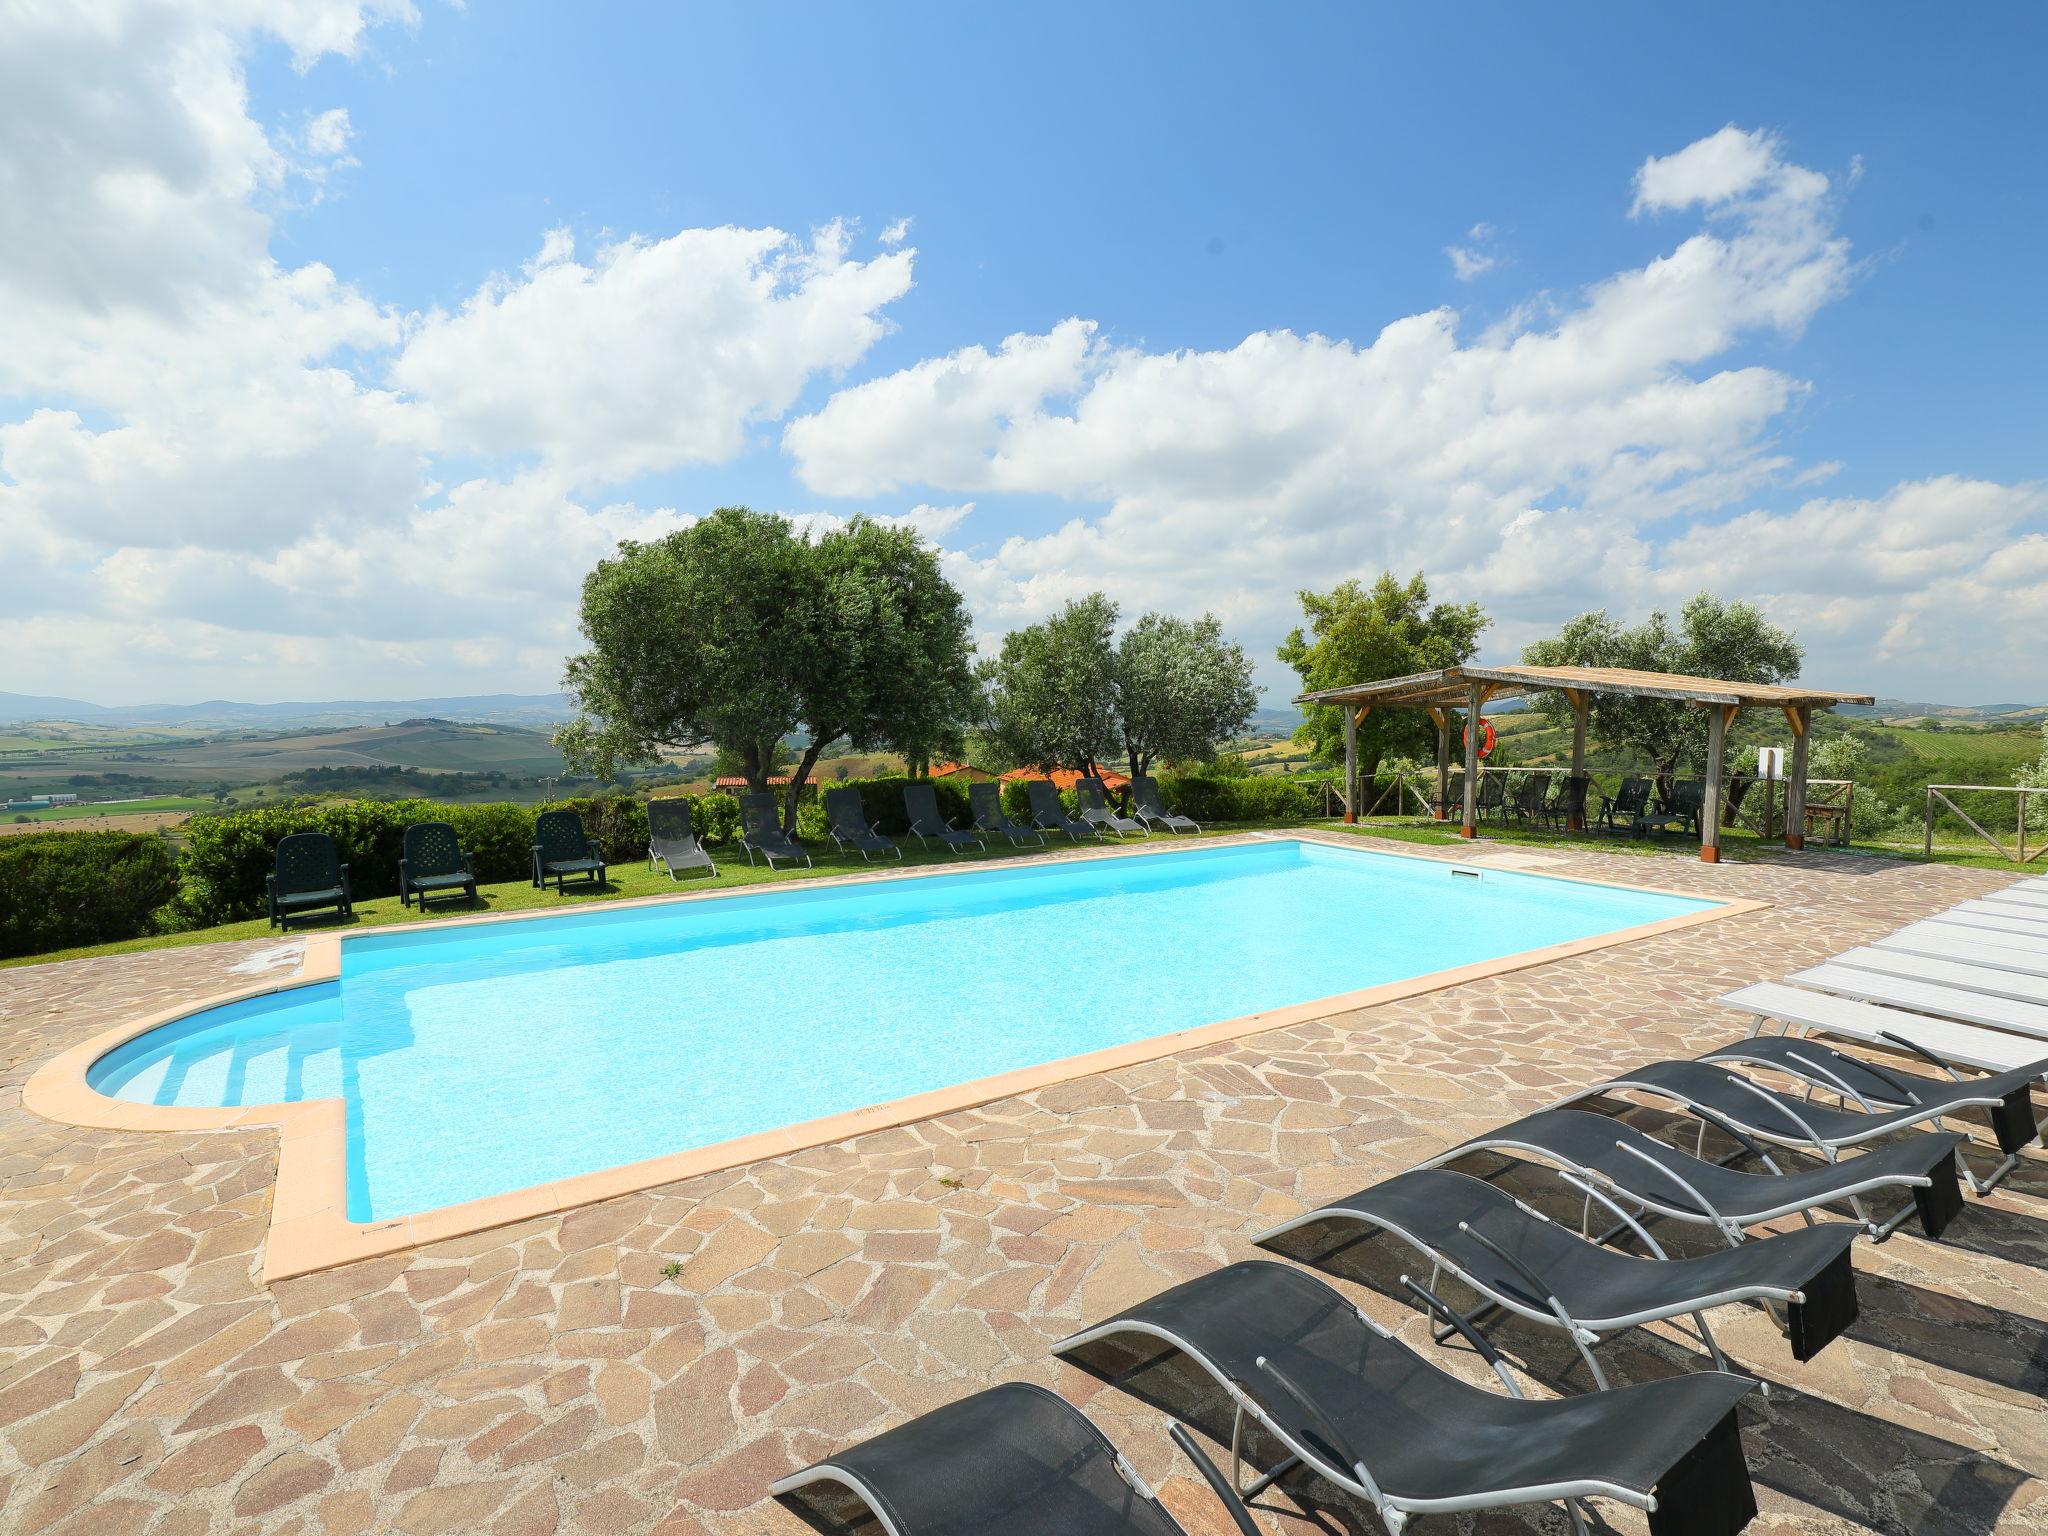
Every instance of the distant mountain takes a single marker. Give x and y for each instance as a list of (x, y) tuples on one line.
[(1276, 721), (530, 709), (32, 706), (1906, 709)]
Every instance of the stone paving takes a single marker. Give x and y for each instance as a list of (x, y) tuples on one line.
[(556, 1376)]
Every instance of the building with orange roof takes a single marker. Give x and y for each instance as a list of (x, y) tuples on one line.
[(1066, 778)]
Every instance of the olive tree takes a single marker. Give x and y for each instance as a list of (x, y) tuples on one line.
[(1731, 640), (696, 639), (1361, 634), (1180, 689), (1067, 693), (737, 633), (1051, 690)]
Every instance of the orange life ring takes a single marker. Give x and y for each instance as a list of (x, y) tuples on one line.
[(1485, 738)]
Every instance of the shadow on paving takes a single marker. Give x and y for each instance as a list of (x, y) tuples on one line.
[(1864, 1469), (1876, 1473), (1988, 1343)]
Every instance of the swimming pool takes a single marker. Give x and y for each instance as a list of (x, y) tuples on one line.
[(474, 1059)]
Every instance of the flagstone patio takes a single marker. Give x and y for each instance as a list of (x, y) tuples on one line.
[(650, 1363)]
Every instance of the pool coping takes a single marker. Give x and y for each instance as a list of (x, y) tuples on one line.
[(310, 1231)]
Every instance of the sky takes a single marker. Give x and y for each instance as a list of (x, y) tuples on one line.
[(340, 338)]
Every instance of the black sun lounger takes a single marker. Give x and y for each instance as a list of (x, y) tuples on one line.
[(1093, 799), (1151, 810), (1872, 1086), (1525, 1263), (1012, 1461), (921, 809), (847, 820), (1048, 815), (1357, 1407), (761, 831), (672, 839), (1778, 1117), (986, 802), (1661, 1179)]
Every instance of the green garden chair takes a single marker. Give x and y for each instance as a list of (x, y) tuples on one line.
[(309, 877), (434, 864), (562, 850)]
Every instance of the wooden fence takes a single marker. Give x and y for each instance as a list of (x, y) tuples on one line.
[(1938, 796)]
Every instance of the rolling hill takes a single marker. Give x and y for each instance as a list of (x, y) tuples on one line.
[(528, 709)]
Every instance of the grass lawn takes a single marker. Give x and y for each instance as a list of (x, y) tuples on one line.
[(1737, 843), (734, 872), (623, 881), (159, 803)]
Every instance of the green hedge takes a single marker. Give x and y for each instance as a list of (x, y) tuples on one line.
[(1206, 800), (227, 857), (60, 889), (1248, 799)]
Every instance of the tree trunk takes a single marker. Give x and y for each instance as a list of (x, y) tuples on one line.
[(754, 761), (801, 773)]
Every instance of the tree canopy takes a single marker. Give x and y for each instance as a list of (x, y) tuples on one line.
[(1067, 693), (1181, 687), (1730, 640), (696, 639), (1360, 634), (1051, 691), (736, 632)]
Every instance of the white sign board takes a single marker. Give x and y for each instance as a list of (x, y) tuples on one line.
[(1770, 762)]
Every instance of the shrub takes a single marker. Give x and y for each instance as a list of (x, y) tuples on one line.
[(60, 889), (1235, 799), (715, 818), (497, 837), (227, 857)]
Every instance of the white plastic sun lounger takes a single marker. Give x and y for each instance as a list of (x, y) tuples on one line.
[(1964, 1045), (2027, 895), (1976, 946), (1926, 997), (1994, 981), (1997, 916)]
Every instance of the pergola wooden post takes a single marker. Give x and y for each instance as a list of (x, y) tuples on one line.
[(1800, 718), (1351, 763), (1718, 716), (1576, 822), (1442, 717), (1469, 688), (1475, 700)]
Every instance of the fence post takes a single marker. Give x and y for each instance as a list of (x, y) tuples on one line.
[(1927, 844)]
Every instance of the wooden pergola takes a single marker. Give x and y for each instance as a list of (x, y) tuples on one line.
[(1471, 689)]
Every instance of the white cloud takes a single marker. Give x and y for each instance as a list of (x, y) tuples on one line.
[(658, 354), (1467, 263), (328, 133), (1712, 171), (1547, 465), (225, 469), (226, 465), (1470, 261)]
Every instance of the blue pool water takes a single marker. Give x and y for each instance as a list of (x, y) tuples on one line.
[(488, 1058)]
